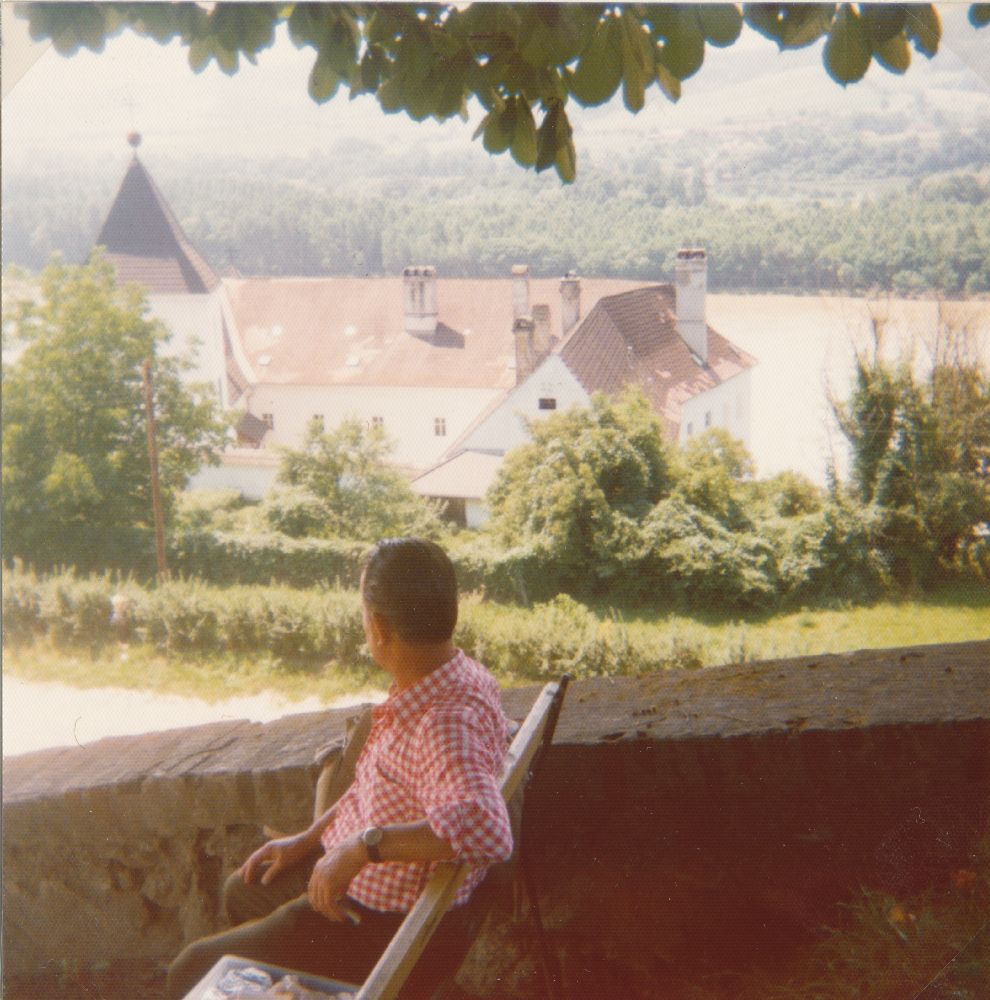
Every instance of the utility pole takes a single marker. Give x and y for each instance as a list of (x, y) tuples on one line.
[(156, 493)]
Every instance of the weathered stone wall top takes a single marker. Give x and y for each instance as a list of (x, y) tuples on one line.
[(913, 685), (917, 684)]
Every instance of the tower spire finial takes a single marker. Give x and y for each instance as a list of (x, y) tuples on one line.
[(134, 140)]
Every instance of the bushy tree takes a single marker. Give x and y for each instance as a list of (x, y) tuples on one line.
[(76, 480), (710, 469), (577, 491), (920, 455), (339, 485)]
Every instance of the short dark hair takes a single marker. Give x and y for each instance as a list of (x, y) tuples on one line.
[(411, 582)]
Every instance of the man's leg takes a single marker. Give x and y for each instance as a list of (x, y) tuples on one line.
[(295, 936), (243, 902)]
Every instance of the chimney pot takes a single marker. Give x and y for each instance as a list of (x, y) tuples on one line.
[(419, 293), (520, 290), (522, 334), (690, 286), (570, 302)]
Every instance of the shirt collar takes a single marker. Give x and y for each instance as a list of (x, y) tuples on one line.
[(414, 700)]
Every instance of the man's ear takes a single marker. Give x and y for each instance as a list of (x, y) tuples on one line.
[(381, 628)]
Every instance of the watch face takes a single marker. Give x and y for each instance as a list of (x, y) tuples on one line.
[(372, 837)]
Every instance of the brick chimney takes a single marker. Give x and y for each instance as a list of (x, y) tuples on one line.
[(691, 279), (570, 302), (520, 290), (419, 296), (542, 334), (522, 334)]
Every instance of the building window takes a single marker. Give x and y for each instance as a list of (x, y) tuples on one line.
[(440, 427), (269, 419), (690, 429), (319, 421), (548, 403), (708, 418), (376, 422)]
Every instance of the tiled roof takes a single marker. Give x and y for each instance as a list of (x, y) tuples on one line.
[(349, 331), (632, 337), (145, 242)]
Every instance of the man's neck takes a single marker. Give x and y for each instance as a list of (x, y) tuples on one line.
[(413, 662)]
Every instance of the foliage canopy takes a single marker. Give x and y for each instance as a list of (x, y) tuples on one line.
[(76, 479), (921, 454), (520, 61), (339, 485)]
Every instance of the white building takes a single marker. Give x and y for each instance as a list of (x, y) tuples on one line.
[(451, 369)]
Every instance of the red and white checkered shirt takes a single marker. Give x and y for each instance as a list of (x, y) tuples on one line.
[(434, 752)]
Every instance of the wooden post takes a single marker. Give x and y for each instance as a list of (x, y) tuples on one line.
[(156, 494)]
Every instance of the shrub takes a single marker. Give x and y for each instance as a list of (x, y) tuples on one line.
[(222, 558), (690, 559)]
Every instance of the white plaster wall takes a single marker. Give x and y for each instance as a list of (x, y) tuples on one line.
[(408, 413), (193, 322), (253, 481), (728, 406), (503, 429)]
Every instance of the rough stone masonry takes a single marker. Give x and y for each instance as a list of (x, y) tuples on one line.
[(685, 823)]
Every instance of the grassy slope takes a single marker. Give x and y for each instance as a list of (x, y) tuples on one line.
[(956, 615)]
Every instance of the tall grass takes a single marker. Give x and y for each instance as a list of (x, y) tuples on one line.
[(286, 635)]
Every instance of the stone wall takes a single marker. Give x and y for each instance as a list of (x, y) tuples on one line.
[(683, 824)]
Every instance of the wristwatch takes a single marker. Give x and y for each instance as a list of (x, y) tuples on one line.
[(371, 838)]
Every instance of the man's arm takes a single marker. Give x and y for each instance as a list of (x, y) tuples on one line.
[(332, 874), (284, 852)]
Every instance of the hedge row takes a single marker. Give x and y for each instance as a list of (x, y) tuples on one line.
[(307, 629)]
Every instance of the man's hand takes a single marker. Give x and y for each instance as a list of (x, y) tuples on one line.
[(276, 856), (332, 875)]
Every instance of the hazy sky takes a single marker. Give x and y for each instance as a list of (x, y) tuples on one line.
[(86, 104)]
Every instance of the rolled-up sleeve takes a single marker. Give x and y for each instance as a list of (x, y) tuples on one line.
[(460, 763)]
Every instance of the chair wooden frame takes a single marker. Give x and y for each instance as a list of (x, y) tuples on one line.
[(399, 958)]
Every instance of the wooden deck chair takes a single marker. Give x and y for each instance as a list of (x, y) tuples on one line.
[(399, 958), (337, 763)]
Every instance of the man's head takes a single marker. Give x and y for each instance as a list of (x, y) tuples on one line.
[(411, 583)]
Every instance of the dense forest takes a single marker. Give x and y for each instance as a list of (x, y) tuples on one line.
[(865, 203)]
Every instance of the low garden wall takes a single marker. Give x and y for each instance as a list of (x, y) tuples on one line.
[(685, 823)]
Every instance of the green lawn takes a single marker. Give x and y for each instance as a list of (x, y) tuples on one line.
[(953, 615)]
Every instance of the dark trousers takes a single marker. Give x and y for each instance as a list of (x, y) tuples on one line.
[(275, 924)]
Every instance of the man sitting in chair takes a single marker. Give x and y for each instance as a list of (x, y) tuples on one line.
[(329, 899)]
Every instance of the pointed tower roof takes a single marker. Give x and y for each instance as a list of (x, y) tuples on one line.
[(145, 242)]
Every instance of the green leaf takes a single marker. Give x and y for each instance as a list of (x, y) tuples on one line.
[(599, 70), (720, 23), (524, 135), (637, 61), (566, 160), (391, 95), (499, 129), (924, 28), (323, 80), (669, 83), (791, 26), (683, 50), (200, 51), (894, 54), (883, 21), (979, 14), (847, 53)]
